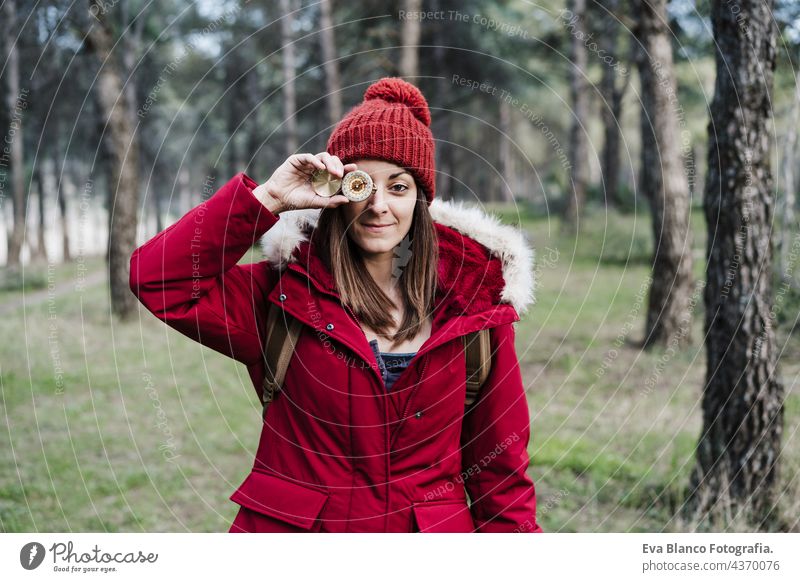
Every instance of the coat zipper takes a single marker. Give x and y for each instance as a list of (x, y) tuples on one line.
[(389, 437), (404, 415), (358, 323)]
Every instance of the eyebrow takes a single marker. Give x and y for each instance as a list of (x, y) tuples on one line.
[(393, 176)]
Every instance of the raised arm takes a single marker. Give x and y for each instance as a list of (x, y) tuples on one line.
[(188, 277)]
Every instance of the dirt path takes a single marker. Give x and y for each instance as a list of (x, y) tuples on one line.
[(33, 298)]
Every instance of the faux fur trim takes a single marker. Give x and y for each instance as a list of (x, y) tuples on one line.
[(503, 241), (508, 244)]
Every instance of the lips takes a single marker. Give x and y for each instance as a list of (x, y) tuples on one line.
[(377, 225)]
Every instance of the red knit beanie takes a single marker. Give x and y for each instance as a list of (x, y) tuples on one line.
[(391, 124)]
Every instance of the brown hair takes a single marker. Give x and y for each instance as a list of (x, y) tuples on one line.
[(359, 290)]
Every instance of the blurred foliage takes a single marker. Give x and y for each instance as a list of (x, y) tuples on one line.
[(208, 86)]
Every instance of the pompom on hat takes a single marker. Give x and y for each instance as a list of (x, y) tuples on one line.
[(392, 124)]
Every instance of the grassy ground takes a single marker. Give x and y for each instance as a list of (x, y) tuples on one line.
[(614, 427), (132, 427)]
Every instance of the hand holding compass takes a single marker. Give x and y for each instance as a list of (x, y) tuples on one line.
[(355, 186), (291, 186)]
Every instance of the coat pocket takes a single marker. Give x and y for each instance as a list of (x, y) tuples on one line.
[(442, 516), (273, 503)]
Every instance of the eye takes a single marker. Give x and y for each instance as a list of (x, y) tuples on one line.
[(402, 186)]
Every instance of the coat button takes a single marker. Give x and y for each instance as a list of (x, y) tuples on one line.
[(418, 414), (282, 297), (329, 326)]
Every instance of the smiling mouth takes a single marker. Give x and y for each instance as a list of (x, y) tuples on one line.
[(377, 225)]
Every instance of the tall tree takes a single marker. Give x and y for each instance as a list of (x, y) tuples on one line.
[(16, 104), (442, 123), (411, 31), (43, 172), (289, 68), (664, 182), (333, 85), (738, 452), (579, 98), (789, 182), (124, 161), (236, 103), (506, 159), (613, 91), (65, 185)]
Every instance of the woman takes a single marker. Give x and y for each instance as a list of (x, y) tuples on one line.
[(369, 431)]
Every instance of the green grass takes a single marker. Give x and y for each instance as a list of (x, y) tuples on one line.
[(614, 428), (83, 449), (14, 282)]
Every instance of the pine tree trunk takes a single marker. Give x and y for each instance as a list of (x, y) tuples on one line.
[(43, 181), (664, 182), (506, 165), (333, 85), (613, 92), (738, 451), (124, 183), (443, 129), (789, 224), (579, 97), (411, 31), (289, 67), (67, 184), (14, 159), (235, 107)]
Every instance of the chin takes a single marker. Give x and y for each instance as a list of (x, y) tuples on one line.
[(375, 244)]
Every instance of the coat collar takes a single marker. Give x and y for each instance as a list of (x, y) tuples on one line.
[(482, 262)]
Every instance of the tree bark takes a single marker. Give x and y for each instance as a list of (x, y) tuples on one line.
[(443, 120), (16, 102), (613, 93), (506, 165), (66, 184), (738, 451), (236, 104), (579, 97), (789, 182), (333, 84), (124, 164), (664, 182), (289, 67), (411, 31), (43, 183)]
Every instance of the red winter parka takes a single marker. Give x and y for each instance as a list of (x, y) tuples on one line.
[(338, 453)]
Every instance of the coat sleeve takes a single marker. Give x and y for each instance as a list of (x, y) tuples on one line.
[(187, 275), (495, 438)]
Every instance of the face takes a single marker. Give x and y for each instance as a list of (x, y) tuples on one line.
[(379, 223)]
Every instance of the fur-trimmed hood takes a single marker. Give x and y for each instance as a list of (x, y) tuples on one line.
[(482, 262)]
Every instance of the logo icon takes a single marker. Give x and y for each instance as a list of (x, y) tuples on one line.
[(31, 555), (402, 255)]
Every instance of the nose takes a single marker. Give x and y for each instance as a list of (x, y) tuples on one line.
[(377, 202)]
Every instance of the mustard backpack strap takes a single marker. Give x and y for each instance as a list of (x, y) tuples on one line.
[(283, 330), (477, 352)]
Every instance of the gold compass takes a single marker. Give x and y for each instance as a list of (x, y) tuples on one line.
[(356, 185), (325, 184)]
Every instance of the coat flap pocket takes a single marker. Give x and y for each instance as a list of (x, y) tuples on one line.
[(281, 498), (443, 516)]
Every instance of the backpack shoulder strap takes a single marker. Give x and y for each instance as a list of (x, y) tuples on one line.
[(282, 332), (477, 352)]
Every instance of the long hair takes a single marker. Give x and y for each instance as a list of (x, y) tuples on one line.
[(417, 278)]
